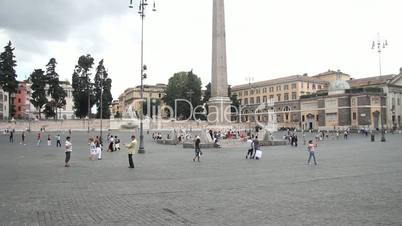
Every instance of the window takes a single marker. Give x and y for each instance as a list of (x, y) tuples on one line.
[(245, 93), (303, 118), (294, 96), (251, 100), (286, 96), (240, 93), (308, 85), (313, 86), (251, 92), (19, 108), (245, 101), (293, 85), (264, 90), (264, 99), (271, 89), (354, 115), (258, 100), (286, 87), (271, 97), (19, 100), (319, 87), (278, 97), (278, 88), (318, 117)]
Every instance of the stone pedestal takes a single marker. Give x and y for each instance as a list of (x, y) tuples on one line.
[(219, 111)]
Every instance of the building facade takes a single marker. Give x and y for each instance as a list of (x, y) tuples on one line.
[(129, 99), (66, 112), (4, 107), (20, 101), (328, 100)]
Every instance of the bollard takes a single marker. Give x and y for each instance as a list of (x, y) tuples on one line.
[(372, 138)]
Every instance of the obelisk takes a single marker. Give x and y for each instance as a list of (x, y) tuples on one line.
[(219, 103)]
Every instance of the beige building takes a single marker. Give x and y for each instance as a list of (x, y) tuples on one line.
[(281, 89), (391, 85), (129, 98), (115, 109)]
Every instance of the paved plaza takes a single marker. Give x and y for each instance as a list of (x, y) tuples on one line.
[(357, 182)]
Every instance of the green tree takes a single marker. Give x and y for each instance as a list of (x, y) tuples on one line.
[(49, 109), (103, 85), (38, 80), (8, 77), (55, 91), (82, 86), (183, 85)]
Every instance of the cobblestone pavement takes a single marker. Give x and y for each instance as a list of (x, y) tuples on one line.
[(357, 182)]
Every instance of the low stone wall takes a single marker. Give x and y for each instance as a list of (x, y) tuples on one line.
[(273, 142), (202, 146), (167, 142)]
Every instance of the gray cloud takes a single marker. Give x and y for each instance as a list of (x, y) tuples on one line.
[(53, 19)]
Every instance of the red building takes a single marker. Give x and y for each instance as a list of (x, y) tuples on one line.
[(20, 101)]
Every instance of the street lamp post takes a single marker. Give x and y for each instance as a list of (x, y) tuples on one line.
[(141, 10), (249, 80), (101, 112), (380, 45)]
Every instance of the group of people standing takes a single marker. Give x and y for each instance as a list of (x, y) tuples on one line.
[(114, 143), (95, 149)]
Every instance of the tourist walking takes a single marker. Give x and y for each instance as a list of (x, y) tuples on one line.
[(58, 140), (131, 147), (98, 149), (92, 149), (11, 136), (49, 140), (38, 139), (116, 143), (69, 149), (197, 149), (23, 138), (250, 148), (111, 144), (256, 145), (311, 150)]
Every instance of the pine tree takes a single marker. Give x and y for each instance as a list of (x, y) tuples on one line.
[(8, 76), (103, 85), (82, 86), (38, 80), (55, 91)]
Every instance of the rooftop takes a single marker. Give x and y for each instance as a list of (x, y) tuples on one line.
[(292, 78), (369, 81)]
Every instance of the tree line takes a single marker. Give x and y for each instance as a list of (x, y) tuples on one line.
[(46, 83), (188, 86)]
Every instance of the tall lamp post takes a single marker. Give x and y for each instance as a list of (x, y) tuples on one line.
[(380, 45), (249, 80), (101, 112), (141, 11)]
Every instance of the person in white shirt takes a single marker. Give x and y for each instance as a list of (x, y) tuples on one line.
[(69, 149)]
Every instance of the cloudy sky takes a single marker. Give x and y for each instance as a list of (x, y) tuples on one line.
[(265, 38)]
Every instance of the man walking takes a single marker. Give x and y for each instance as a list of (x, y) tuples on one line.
[(12, 136), (58, 140), (131, 147), (69, 149)]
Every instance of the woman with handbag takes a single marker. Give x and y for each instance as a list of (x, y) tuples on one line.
[(197, 149)]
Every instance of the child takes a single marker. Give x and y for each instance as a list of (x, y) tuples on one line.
[(311, 149)]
